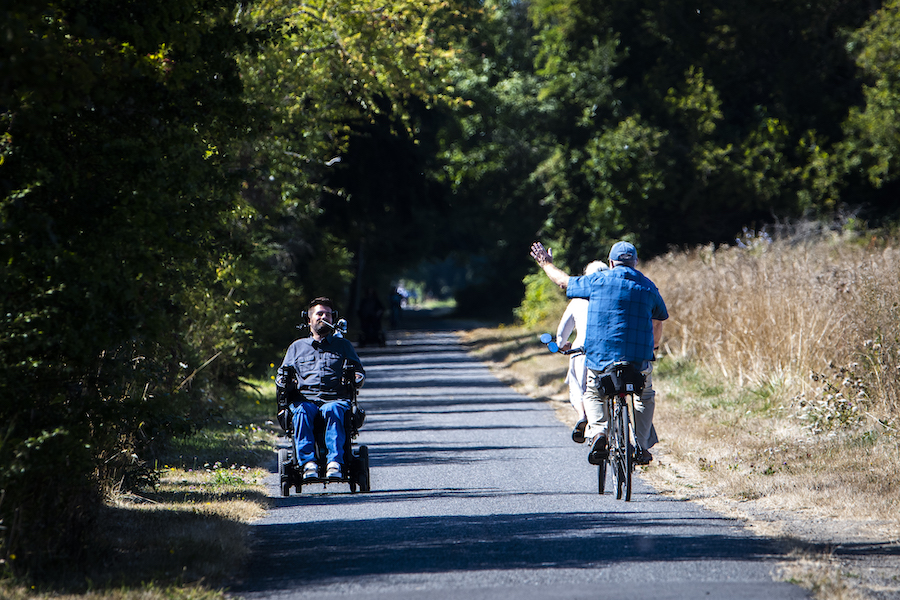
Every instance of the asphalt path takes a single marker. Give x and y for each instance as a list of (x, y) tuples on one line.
[(479, 492)]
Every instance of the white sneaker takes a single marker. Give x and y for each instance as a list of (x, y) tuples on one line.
[(333, 471), (310, 470)]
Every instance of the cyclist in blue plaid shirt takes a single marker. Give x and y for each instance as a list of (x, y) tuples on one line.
[(625, 315)]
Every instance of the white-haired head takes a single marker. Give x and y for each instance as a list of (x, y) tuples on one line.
[(593, 267)]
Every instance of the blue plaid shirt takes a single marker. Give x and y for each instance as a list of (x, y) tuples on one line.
[(622, 304)]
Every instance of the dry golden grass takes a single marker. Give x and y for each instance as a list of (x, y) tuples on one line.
[(148, 592), (193, 528), (822, 576), (801, 341), (814, 319), (175, 542), (766, 465)]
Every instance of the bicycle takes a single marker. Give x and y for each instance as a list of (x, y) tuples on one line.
[(620, 383)]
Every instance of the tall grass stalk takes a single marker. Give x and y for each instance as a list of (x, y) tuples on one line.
[(815, 320)]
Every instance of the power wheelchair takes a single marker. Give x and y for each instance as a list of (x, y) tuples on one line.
[(356, 460)]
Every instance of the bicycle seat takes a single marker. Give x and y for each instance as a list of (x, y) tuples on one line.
[(622, 378)]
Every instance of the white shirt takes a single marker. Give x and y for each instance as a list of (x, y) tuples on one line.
[(575, 318)]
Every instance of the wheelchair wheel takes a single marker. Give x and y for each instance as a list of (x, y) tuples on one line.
[(284, 477), (355, 466), (363, 477)]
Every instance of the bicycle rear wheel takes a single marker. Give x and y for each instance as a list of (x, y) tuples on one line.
[(628, 457), (623, 451)]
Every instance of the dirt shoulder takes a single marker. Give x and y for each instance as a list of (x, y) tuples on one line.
[(837, 557), (846, 540)]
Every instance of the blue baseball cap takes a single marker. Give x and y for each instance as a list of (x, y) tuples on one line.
[(624, 252)]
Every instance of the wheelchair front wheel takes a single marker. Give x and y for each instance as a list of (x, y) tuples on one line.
[(284, 478)]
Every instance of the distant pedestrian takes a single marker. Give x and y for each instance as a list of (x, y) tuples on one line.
[(396, 308)]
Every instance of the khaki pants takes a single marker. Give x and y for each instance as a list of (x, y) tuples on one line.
[(595, 410)]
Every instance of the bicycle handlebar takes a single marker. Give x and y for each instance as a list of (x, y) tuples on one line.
[(570, 351), (547, 338)]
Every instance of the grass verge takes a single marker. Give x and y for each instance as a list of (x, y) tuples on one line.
[(183, 537)]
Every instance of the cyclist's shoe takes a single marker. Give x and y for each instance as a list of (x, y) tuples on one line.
[(599, 451), (578, 432), (643, 457)]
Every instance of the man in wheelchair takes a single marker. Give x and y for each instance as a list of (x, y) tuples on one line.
[(314, 382)]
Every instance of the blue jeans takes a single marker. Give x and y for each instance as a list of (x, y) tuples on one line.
[(303, 415)]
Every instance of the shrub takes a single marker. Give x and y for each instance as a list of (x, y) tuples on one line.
[(543, 300)]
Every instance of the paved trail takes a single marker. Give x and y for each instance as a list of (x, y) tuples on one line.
[(479, 492)]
